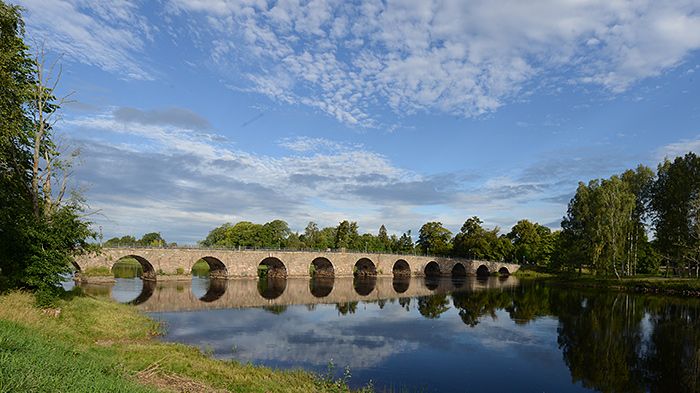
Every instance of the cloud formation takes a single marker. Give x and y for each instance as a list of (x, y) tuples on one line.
[(147, 172), (177, 117), (356, 61), (466, 58), (106, 34)]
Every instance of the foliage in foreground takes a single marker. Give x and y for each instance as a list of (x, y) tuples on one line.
[(40, 219), (112, 345)]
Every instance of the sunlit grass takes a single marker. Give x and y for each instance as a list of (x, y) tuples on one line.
[(100, 345)]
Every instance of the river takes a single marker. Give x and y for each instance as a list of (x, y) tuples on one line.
[(467, 335)]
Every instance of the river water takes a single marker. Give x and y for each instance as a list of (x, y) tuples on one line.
[(468, 335)]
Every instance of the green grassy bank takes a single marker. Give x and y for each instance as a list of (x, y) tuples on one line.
[(642, 283), (94, 345)]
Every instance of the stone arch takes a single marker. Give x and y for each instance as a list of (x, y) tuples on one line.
[(364, 267), (401, 269), (217, 289), (482, 271), (217, 269), (149, 273), (503, 271), (321, 286), (364, 285), (272, 267), (322, 267), (271, 287), (458, 270), (432, 269)]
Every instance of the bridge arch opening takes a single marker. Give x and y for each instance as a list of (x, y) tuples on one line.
[(321, 286), (272, 267), (364, 285), (321, 267), (504, 271), (482, 271), (401, 269), (364, 267), (459, 270), (432, 269), (133, 266), (209, 267)]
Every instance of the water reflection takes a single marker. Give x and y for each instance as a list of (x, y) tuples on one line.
[(147, 288), (432, 282), (401, 284), (364, 285), (320, 286), (271, 287), (548, 338), (215, 290)]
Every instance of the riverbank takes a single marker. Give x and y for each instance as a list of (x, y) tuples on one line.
[(689, 287), (87, 344)]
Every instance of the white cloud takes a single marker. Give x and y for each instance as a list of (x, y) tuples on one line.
[(103, 33), (355, 61), (182, 182), (679, 148), (464, 58)]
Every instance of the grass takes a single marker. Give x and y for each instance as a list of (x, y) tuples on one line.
[(532, 272), (200, 268), (98, 345), (123, 268), (100, 271)]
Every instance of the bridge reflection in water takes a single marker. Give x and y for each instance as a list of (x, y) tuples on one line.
[(204, 293)]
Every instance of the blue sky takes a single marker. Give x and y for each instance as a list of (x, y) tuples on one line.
[(192, 113)]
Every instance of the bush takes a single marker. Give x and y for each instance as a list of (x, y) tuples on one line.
[(47, 297)]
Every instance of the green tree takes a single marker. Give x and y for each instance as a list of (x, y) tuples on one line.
[(383, 238), (473, 241), (217, 236), (311, 237), (40, 225), (152, 239), (434, 239), (532, 243), (673, 205), (403, 244), (275, 234), (346, 236), (121, 241), (599, 226)]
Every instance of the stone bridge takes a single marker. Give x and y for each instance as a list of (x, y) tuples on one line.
[(282, 264)]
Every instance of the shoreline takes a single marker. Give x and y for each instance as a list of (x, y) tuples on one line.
[(101, 345), (671, 286)]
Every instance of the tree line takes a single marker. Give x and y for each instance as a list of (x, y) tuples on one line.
[(526, 242), (609, 221)]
